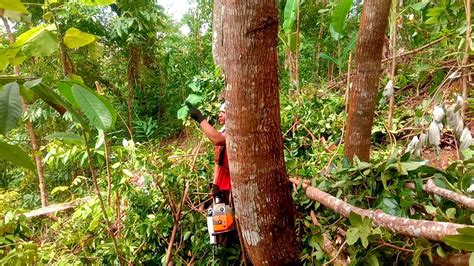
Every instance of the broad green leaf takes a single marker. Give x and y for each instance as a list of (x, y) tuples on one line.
[(66, 136), (469, 231), (10, 107), (183, 112), (410, 166), (461, 242), (92, 105), (338, 20), (75, 38), (289, 21), (96, 2), (16, 155), (471, 259), (194, 99), (59, 189), (38, 41), (352, 235), (32, 83), (96, 50), (54, 100), (13, 5)]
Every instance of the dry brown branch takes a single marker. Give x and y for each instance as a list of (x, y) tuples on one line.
[(177, 217), (327, 246), (415, 51), (409, 227), (432, 188), (57, 207)]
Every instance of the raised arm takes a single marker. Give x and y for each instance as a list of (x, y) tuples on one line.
[(216, 137)]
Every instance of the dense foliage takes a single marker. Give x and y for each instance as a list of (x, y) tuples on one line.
[(146, 67)]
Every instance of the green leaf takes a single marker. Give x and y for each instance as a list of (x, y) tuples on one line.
[(16, 155), (93, 106), (352, 235), (10, 107), (32, 83), (97, 2), (51, 98), (339, 15), (38, 41), (289, 19), (194, 99), (183, 112), (373, 260), (75, 38), (13, 5), (96, 50), (471, 259), (410, 166), (419, 6), (66, 136), (463, 241)]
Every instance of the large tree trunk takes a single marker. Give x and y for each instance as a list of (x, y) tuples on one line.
[(247, 50), (29, 126), (362, 97)]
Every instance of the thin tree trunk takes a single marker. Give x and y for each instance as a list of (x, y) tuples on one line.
[(30, 128), (465, 61), (101, 201), (177, 218), (133, 78), (297, 49), (393, 44), (363, 94), (260, 189), (409, 227)]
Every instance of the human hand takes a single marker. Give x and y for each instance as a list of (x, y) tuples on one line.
[(194, 112)]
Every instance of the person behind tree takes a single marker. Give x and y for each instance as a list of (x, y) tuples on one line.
[(220, 186)]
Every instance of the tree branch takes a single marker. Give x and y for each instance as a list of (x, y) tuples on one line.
[(409, 227), (432, 188)]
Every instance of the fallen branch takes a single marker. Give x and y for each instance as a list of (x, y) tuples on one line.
[(409, 227), (177, 217), (50, 209), (417, 50), (432, 188)]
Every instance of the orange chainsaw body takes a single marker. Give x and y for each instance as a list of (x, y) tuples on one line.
[(222, 218)]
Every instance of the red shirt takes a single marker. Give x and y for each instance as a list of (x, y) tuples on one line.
[(223, 174)]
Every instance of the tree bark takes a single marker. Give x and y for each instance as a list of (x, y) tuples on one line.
[(432, 188), (260, 188), (409, 227), (393, 48), (30, 128), (133, 78), (465, 61), (363, 95)]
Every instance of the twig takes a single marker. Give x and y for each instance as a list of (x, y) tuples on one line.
[(337, 254), (385, 244), (417, 50), (177, 217), (101, 202)]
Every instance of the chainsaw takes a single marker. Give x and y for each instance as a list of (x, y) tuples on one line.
[(220, 219)]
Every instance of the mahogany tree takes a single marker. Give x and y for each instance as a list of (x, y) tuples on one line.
[(363, 94), (245, 46)]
